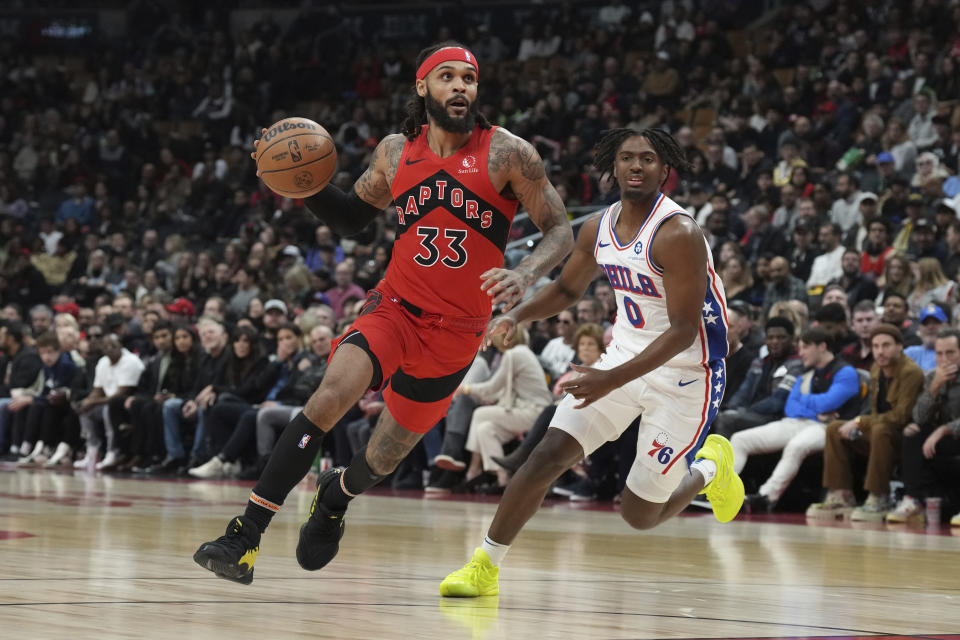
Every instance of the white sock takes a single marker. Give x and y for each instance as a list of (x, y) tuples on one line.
[(495, 550), (706, 467)]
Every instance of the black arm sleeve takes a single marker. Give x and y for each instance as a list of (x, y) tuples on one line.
[(346, 214)]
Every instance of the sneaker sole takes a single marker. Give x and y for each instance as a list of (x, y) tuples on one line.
[(449, 464), (461, 590), (870, 517), (917, 520), (222, 568)]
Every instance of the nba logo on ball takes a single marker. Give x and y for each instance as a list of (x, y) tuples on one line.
[(294, 148), (303, 441)]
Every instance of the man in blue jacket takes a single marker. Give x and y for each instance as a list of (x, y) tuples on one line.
[(829, 389), (763, 393)]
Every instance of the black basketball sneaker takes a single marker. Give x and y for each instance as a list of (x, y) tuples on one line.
[(320, 534), (231, 556)]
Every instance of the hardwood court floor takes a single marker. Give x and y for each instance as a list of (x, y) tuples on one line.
[(107, 557)]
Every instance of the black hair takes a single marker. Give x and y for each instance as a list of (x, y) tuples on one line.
[(162, 325), (949, 333), (16, 330), (835, 228), (417, 106), (832, 312), (782, 323), (854, 180), (880, 221), (901, 182), (294, 328), (890, 293), (816, 335), (670, 153), (239, 369)]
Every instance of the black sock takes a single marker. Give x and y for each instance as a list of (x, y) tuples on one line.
[(292, 456), (356, 478)]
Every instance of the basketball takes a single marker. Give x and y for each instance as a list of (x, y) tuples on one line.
[(296, 157)]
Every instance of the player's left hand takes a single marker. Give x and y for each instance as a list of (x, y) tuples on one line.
[(504, 285), (590, 386)]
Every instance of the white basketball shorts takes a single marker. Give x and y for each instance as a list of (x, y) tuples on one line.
[(678, 405)]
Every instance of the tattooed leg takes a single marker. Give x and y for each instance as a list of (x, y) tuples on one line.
[(389, 444)]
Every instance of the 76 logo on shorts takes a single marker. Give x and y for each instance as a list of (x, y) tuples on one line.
[(660, 449)]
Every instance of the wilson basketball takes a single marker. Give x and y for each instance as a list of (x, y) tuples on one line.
[(296, 157)]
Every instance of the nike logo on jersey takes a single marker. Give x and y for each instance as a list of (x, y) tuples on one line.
[(604, 244), (683, 384), (409, 161)]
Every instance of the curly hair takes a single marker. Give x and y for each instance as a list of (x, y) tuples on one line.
[(417, 106), (670, 153)]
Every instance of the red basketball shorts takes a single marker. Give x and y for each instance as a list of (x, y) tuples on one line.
[(421, 358)]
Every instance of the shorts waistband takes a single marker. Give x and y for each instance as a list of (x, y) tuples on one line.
[(461, 323)]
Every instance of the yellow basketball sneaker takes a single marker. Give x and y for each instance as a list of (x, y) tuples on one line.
[(477, 578), (725, 491)]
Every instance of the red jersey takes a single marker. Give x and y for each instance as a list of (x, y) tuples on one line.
[(453, 226)]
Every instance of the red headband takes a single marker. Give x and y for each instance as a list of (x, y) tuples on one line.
[(447, 54)]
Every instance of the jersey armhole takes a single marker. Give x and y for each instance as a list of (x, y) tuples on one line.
[(596, 239), (404, 154), (653, 234)]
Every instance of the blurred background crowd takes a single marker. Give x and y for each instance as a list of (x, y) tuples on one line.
[(164, 312)]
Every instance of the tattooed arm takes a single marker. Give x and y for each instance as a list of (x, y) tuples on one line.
[(348, 214), (373, 186), (516, 160)]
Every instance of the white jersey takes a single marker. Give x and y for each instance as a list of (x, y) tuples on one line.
[(638, 284)]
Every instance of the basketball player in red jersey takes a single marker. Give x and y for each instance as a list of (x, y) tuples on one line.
[(456, 182)]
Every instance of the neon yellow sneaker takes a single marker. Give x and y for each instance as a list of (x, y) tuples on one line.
[(725, 491), (477, 578)]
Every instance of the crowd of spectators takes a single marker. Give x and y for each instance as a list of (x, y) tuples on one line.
[(153, 288)]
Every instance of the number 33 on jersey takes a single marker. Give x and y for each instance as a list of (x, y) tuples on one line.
[(452, 226)]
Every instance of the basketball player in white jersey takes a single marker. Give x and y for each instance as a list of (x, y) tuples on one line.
[(665, 360)]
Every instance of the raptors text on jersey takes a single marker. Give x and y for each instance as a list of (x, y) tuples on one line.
[(452, 226)]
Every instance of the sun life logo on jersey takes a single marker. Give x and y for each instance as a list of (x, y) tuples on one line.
[(469, 165)]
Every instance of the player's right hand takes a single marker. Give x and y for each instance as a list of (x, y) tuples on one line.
[(503, 324), (256, 143)]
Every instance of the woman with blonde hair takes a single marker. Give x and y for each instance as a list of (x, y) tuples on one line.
[(897, 276), (794, 311), (928, 168), (931, 285), (297, 282)]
